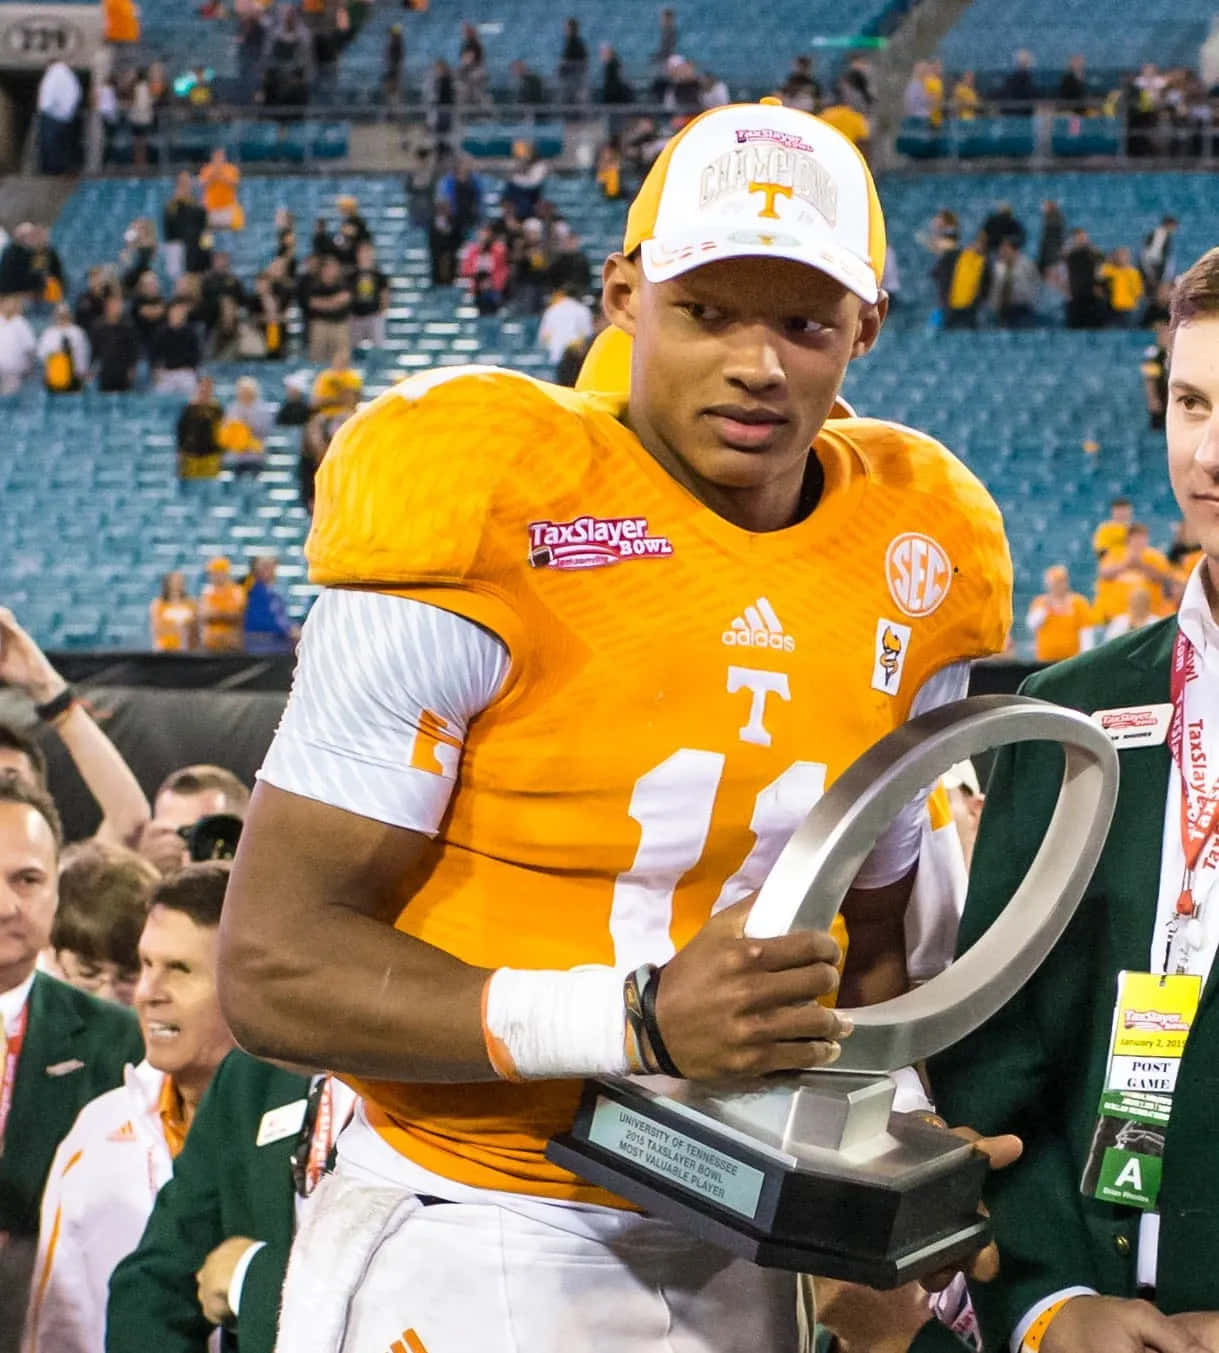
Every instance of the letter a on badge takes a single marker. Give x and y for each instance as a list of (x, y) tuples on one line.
[(1130, 1176)]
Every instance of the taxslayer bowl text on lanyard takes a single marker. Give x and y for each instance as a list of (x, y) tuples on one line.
[(1195, 711)]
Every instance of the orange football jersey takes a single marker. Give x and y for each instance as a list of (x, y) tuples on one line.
[(680, 691), (1059, 635)]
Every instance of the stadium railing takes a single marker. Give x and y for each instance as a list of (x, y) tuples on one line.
[(315, 137), (1048, 132)]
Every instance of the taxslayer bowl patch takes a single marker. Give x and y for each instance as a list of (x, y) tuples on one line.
[(1136, 725), (918, 572), (593, 542)]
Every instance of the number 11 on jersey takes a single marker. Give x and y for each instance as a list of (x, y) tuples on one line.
[(673, 804)]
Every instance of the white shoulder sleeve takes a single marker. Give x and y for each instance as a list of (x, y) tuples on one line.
[(383, 695), (897, 851)]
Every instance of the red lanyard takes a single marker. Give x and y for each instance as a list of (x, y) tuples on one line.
[(1199, 796), (12, 1052)]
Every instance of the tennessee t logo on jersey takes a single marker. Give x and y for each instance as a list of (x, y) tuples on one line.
[(593, 542), (892, 645)]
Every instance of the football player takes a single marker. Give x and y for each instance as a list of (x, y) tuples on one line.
[(583, 663)]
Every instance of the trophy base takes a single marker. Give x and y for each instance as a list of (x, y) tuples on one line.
[(895, 1206)]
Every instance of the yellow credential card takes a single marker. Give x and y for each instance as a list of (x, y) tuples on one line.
[(1155, 1013)]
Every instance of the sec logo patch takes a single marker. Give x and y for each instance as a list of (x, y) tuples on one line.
[(918, 572)]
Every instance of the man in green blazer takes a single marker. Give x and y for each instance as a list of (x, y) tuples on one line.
[(216, 1245), (59, 1047), (1073, 1267)]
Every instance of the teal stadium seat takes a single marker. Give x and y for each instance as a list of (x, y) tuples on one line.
[(1011, 137), (1071, 135), (921, 141)]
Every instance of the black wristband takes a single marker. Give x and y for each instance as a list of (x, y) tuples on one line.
[(659, 1051), (56, 706), (632, 1003)]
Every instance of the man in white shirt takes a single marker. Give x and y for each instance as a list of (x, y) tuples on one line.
[(566, 320), (17, 345), (109, 1168), (59, 95), (1109, 1225)]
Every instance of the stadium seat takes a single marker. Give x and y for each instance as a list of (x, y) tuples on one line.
[(1086, 135), (918, 139), (994, 136)]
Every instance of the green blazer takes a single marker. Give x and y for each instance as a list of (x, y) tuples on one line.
[(224, 1184), (1037, 1067), (75, 1049)]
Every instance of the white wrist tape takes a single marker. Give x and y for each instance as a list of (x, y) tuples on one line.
[(545, 1025)]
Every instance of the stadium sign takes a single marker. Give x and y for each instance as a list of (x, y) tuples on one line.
[(32, 36)]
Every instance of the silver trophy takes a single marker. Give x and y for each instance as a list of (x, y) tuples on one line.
[(813, 1172)]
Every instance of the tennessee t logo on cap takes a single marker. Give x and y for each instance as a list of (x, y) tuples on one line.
[(758, 179)]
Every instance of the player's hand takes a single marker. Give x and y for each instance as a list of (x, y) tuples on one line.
[(730, 1007), (983, 1267), (24, 664), (1116, 1325), (1202, 1325), (213, 1279)]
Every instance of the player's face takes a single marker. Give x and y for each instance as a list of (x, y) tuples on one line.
[(175, 998), (1193, 430), (737, 364)]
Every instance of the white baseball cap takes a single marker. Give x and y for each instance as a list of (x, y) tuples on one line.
[(760, 180)]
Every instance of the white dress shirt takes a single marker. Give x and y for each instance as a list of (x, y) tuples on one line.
[(59, 92), (12, 1002)]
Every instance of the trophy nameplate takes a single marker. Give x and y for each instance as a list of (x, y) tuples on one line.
[(812, 1172)]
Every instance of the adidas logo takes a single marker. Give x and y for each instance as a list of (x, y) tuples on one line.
[(126, 1133), (759, 627)]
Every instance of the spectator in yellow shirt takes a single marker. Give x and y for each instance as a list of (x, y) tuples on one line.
[(966, 101), (218, 180), (222, 603), (1125, 286), (1061, 620), (850, 123), (173, 616), (335, 382), (963, 279), (933, 86), (609, 169), (122, 21), (1111, 534), (1134, 565)]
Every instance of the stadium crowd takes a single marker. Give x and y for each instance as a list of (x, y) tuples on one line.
[(991, 275), (1165, 112)]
